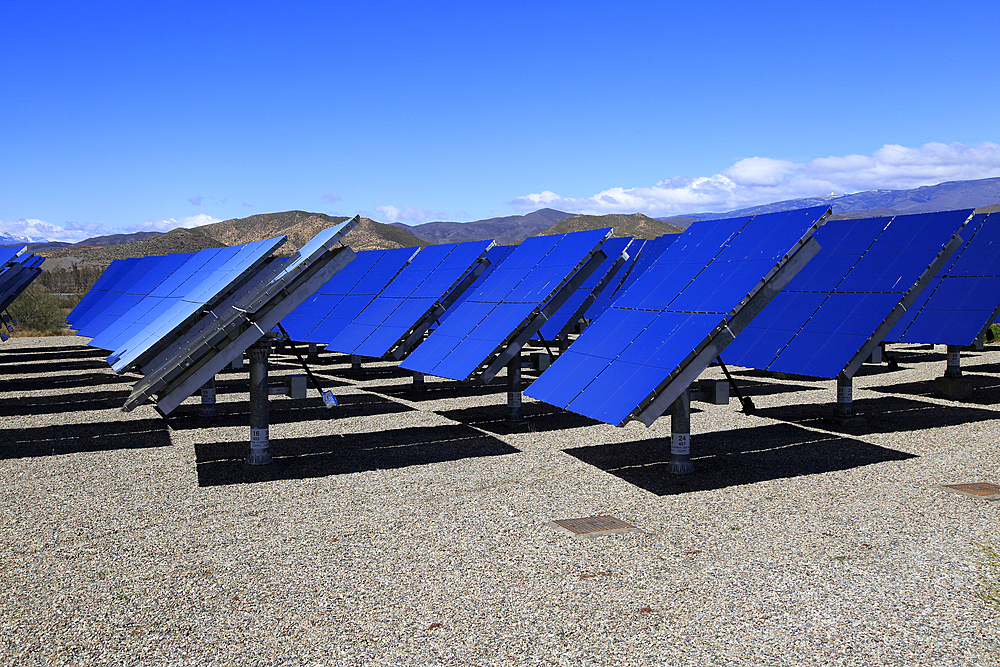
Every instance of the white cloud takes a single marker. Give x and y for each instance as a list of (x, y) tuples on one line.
[(408, 214), (172, 223), (40, 230), (759, 180)]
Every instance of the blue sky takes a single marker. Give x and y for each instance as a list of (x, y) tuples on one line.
[(128, 116)]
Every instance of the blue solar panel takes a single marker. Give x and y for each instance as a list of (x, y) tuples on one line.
[(204, 287), (633, 359), (847, 297), (483, 327), (8, 253), (591, 289), (964, 297), (335, 305), (420, 288)]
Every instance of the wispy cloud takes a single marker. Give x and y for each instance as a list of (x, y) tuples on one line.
[(196, 201), (408, 214), (172, 223), (39, 230), (331, 197), (760, 180)]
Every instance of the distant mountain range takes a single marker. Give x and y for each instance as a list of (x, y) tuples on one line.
[(506, 230), (941, 197), (300, 226)]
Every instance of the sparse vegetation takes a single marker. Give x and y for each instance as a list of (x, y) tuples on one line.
[(74, 280), (987, 556), (39, 312)]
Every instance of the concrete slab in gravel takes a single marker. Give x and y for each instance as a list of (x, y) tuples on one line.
[(984, 490), (589, 527)]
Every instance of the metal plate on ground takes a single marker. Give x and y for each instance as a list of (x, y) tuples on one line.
[(592, 526), (978, 489)]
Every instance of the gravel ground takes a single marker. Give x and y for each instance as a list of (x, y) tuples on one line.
[(411, 529)]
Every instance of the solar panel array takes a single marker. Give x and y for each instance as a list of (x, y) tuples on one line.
[(833, 314), (510, 305), (409, 304), (179, 319), (657, 337), (184, 360), (963, 299), (335, 305)]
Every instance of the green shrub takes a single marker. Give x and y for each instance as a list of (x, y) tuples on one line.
[(37, 310), (988, 558)]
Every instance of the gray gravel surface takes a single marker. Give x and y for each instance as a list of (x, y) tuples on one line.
[(411, 529)]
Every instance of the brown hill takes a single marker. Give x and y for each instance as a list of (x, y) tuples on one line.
[(299, 226), (635, 225)]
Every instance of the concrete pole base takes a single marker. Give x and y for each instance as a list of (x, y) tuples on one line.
[(953, 388)]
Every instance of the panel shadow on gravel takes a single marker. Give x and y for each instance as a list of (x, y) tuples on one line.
[(885, 414), (538, 417), (76, 438), (985, 389), (72, 402), (53, 382), (285, 411), (53, 366), (435, 390), (731, 458), (241, 385), (369, 372), (756, 388), (221, 463), (26, 355)]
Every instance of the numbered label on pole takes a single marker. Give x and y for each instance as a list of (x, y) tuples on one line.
[(680, 443), (258, 438)]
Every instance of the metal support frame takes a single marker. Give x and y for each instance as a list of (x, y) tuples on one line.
[(260, 445), (514, 388), (748, 407), (680, 435)]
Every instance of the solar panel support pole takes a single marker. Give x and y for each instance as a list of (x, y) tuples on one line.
[(845, 396), (208, 408), (418, 381), (355, 362), (680, 435), (313, 351), (952, 385), (514, 388), (260, 446)]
